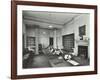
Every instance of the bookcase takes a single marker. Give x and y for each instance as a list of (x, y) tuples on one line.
[(30, 41), (68, 41)]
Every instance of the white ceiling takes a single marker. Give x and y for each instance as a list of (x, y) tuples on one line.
[(48, 18)]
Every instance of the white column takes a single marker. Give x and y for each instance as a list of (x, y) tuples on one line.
[(55, 38), (37, 39)]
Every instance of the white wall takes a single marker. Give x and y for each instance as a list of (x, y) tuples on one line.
[(59, 38), (24, 28), (5, 41), (73, 27), (30, 32), (44, 38), (44, 35)]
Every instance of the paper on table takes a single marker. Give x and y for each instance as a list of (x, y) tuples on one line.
[(73, 62)]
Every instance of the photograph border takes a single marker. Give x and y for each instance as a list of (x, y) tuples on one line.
[(14, 38)]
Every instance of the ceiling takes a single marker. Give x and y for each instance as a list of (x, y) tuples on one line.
[(56, 19)]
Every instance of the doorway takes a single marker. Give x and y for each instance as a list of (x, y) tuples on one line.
[(51, 41)]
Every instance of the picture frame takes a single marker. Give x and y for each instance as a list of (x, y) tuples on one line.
[(16, 30)]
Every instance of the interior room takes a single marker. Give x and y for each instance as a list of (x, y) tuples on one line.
[(55, 39)]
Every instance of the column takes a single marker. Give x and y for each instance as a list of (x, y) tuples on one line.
[(55, 38), (37, 38)]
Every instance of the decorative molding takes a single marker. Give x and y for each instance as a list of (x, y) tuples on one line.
[(42, 21)]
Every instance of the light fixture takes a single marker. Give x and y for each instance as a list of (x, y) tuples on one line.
[(50, 26), (50, 17), (44, 32)]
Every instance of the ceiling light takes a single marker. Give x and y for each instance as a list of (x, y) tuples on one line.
[(44, 32), (50, 26)]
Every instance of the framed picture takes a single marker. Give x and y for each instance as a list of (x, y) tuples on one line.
[(45, 40)]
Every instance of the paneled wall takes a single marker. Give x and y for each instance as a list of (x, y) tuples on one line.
[(43, 35), (73, 27)]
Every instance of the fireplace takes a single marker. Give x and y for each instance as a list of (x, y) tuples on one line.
[(83, 51)]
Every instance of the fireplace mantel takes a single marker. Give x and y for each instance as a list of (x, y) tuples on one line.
[(82, 42)]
